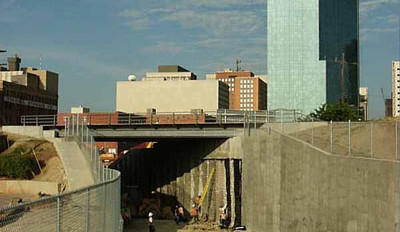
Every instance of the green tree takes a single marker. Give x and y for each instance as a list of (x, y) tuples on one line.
[(336, 112)]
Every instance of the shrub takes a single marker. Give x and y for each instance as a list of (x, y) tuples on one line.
[(18, 166)]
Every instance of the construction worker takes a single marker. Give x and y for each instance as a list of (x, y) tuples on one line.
[(197, 202), (195, 214), (151, 225), (181, 213), (223, 216), (177, 214)]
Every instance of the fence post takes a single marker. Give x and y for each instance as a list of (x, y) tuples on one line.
[(87, 210), (312, 131), (37, 120), (397, 141), (77, 125), (65, 127), (255, 120), (104, 205), (58, 227), (55, 119), (87, 133), (281, 120), (129, 119), (82, 133), (349, 137), (371, 147), (225, 115), (331, 127)]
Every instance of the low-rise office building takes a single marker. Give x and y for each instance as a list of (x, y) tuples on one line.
[(171, 96), (26, 91)]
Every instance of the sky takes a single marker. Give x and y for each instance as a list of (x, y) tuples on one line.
[(94, 43)]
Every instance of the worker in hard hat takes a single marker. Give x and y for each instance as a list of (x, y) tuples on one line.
[(195, 214), (151, 225), (223, 216)]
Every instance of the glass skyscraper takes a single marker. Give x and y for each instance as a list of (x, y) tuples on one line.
[(306, 40)]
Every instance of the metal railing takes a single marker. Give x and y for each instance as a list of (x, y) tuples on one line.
[(92, 208), (223, 116)]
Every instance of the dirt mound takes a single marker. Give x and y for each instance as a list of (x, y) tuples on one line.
[(52, 169)]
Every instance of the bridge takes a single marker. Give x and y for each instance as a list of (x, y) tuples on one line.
[(195, 124)]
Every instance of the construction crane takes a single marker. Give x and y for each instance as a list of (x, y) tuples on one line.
[(343, 62), (383, 95)]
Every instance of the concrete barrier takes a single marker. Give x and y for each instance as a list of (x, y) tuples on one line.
[(28, 187), (31, 131)]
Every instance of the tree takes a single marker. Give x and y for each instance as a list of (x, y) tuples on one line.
[(336, 112)]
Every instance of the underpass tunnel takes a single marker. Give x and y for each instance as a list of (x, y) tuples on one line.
[(175, 171)]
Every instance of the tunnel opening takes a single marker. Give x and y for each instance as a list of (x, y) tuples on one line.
[(175, 171)]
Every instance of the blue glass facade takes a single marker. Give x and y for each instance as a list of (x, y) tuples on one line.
[(305, 37)]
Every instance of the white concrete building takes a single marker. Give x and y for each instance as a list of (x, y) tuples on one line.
[(171, 96), (396, 88), (364, 102)]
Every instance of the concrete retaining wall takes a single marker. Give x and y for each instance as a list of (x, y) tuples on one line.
[(31, 131), (289, 185), (28, 187)]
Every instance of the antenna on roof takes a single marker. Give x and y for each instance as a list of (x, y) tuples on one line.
[(40, 62), (237, 65)]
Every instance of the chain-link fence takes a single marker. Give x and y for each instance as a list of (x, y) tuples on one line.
[(372, 139), (330, 176), (92, 208)]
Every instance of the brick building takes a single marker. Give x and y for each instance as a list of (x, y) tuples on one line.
[(247, 92), (26, 91)]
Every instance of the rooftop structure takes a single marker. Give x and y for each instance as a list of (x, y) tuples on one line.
[(170, 72)]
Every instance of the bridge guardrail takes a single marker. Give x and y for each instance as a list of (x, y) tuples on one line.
[(223, 116)]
